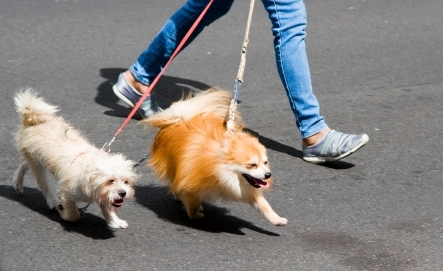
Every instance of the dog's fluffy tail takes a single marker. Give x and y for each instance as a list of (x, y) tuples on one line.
[(32, 108), (213, 101)]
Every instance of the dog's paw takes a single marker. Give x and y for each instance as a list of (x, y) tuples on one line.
[(54, 204), (280, 221), (18, 186), (19, 190), (67, 215), (118, 224), (196, 215)]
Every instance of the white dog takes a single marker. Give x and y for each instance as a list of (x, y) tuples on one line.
[(85, 173)]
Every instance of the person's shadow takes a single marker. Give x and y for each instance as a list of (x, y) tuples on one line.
[(170, 89), (89, 225), (217, 219)]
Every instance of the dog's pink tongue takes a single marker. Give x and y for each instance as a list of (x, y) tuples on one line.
[(263, 184)]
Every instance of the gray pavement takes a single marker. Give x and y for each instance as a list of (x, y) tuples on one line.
[(377, 67)]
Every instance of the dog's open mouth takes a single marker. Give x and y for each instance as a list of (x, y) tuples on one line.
[(257, 183), (117, 202)]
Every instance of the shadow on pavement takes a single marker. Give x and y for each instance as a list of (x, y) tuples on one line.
[(157, 199), (89, 225), (168, 90), (279, 147)]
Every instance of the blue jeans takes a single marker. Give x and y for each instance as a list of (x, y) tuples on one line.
[(288, 19)]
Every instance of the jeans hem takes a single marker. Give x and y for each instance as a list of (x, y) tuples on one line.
[(314, 130), (139, 78)]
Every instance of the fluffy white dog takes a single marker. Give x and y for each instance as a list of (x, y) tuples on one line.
[(85, 173)]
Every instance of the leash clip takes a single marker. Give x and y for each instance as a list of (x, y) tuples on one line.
[(107, 145)]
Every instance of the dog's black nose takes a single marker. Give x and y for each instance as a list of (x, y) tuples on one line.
[(268, 175), (122, 194)]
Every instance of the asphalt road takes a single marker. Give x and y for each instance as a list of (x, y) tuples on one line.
[(377, 67)]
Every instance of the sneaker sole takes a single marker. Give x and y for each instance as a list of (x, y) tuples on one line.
[(121, 96), (125, 100), (319, 160)]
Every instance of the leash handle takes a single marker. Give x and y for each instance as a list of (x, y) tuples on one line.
[(142, 99)]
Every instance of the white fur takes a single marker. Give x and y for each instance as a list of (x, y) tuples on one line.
[(47, 143)]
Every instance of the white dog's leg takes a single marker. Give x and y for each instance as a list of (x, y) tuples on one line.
[(112, 218), (45, 186), (68, 211), (68, 208), (262, 204), (17, 181)]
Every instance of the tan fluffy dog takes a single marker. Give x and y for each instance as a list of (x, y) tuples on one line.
[(48, 143), (201, 162)]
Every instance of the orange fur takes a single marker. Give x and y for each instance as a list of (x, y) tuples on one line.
[(201, 162)]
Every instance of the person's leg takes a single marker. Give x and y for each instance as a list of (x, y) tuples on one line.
[(289, 21), (135, 81), (153, 59)]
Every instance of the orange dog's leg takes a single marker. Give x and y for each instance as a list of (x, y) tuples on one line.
[(192, 205), (262, 204)]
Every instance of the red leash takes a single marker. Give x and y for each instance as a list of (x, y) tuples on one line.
[(177, 50)]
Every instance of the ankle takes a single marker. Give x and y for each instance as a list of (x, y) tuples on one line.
[(309, 141), (133, 82)]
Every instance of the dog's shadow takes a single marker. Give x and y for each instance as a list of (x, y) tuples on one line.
[(217, 219), (89, 225)]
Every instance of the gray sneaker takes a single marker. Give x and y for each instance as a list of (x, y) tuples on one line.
[(334, 146), (129, 95)]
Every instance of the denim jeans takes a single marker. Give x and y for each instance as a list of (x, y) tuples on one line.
[(288, 18)]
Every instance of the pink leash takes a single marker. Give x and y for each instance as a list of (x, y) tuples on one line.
[(177, 50)]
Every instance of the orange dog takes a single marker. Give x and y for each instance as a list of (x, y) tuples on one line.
[(201, 162)]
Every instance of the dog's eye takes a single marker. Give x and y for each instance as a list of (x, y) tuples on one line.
[(110, 181), (126, 182), (265, 162), (252, 165)]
